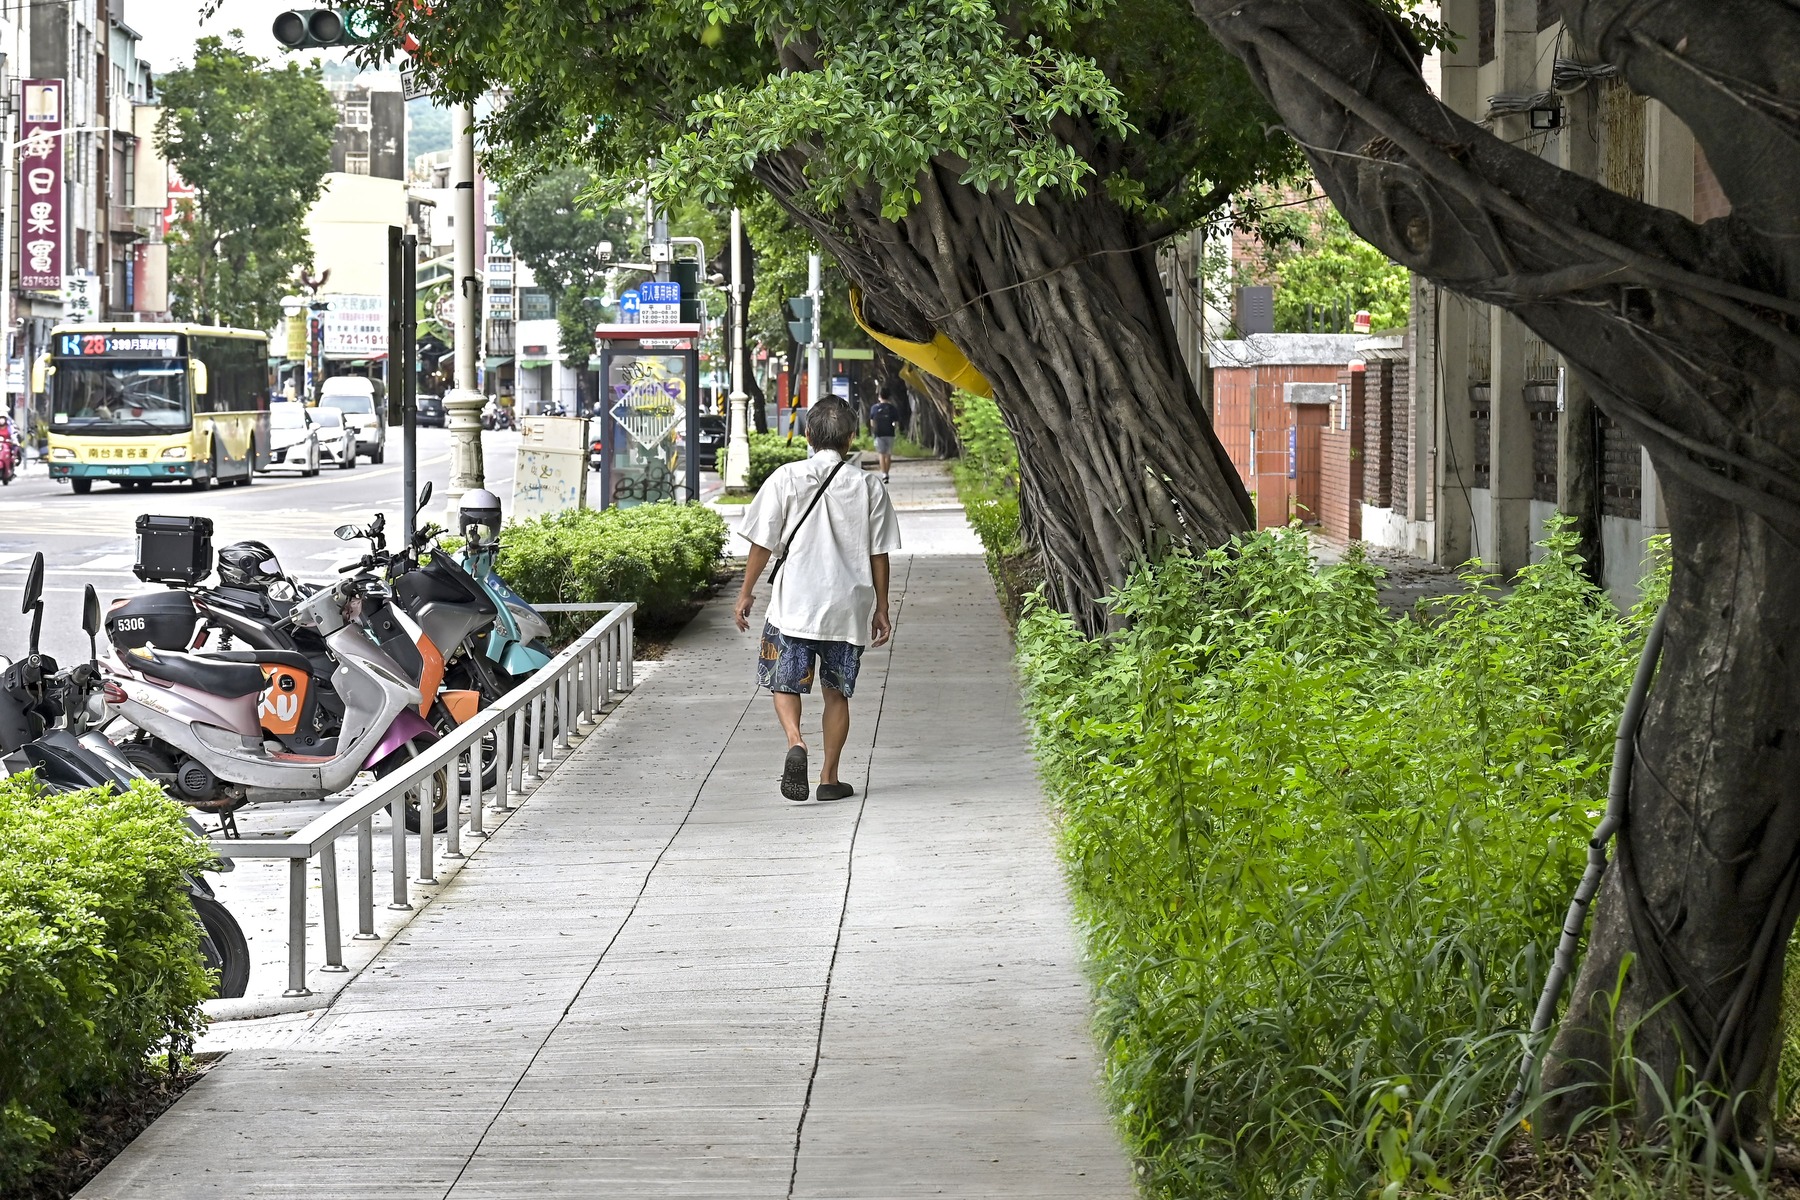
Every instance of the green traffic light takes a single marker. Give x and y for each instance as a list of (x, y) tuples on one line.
[(310, 28)]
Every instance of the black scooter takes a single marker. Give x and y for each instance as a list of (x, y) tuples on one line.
[(45, 719)]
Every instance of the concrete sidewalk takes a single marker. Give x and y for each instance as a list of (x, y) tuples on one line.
[(662, 979)]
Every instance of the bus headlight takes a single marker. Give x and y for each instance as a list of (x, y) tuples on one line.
[(175, 452), (62, 454)]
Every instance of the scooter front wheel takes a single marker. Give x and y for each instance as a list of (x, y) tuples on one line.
[(438, 783), (222, 945)]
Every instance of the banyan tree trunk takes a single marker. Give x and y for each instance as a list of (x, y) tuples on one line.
[(1060, 305)]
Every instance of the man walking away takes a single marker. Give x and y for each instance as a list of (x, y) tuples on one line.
[(829, 531), (884, 422)]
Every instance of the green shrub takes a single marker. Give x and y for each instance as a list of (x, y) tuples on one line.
[(989, 454), (656, 555), (99, 954), (767, 452), (1322, 854)]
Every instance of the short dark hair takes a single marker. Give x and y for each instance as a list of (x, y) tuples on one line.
[(831, 425)]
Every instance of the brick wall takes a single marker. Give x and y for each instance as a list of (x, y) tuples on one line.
[(1540, 407), (1481, 413), (1340, 462), (1621, 472), (1401, 438), (1378, 439)]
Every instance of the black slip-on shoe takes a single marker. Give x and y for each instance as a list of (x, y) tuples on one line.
[(793, 774), (835, 791)]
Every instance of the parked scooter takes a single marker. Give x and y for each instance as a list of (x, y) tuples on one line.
[(45, 716), (430, 628), (198, 713)]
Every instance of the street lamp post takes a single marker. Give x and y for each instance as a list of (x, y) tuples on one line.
[(463, 403), (737, 448), (812, 347)]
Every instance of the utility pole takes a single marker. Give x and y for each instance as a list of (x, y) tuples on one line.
[(737, 448), (812, 347), (462, 406)]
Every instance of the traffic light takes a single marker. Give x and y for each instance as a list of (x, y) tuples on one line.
[(307, 28), (799, 313)]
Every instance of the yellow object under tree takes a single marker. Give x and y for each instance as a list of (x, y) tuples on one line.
[(939, 357)]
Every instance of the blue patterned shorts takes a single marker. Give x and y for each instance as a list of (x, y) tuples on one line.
[(787, 664)]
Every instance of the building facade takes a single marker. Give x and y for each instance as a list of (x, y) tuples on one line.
[(102, 229)]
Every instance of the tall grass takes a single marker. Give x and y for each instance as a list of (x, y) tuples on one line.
[(1321, 854)]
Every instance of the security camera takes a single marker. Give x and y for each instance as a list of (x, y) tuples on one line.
[(606, 251)]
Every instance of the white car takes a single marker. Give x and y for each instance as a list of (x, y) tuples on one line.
[(337, 437), (354, 396), (293, 439)]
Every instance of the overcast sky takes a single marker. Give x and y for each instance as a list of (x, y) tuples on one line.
[(170, 27)]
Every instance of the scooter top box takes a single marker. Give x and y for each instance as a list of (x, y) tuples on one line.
[(174, 550)]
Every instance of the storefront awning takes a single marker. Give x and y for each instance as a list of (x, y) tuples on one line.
[(532, 364), (498, 360)]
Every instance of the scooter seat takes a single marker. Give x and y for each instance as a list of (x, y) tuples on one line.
[(207, 673), (274, 658)]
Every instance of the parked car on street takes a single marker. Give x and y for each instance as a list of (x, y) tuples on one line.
[(337, 438), (354, 396), (431, 411), (714, 431), (293, 439)]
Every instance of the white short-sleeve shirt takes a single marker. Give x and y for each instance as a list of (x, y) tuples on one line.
[(826, 591)]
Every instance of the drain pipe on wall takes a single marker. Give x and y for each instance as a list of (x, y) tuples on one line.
[(1617, 798)]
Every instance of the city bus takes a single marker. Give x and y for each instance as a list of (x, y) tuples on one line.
[(143, 404)]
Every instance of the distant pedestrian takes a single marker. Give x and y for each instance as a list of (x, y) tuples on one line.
[(829, 531), (884, 423)]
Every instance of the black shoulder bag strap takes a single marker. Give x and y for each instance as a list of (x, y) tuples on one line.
[(782, 554)]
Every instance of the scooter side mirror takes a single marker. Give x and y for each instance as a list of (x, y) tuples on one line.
[(346, 533), (34, 599), (90, 620), (34, 583), (424, 497)]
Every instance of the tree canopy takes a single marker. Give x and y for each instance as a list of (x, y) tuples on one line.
[(254, 141), (999, 174)]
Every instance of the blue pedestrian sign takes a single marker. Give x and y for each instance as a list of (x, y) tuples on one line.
[(653, 291), (628, 306)]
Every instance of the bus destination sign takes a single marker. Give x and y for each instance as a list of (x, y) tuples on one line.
[(118, 345)]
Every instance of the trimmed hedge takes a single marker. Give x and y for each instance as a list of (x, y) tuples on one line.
[(767, 452), (658, 555), (99, 954)]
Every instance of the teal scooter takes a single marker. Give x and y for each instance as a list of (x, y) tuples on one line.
[(519, 642)]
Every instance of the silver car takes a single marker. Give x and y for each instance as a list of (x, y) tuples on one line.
[(337, 437), (293, 439)]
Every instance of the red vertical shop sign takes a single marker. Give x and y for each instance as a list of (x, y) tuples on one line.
[(41, 187)]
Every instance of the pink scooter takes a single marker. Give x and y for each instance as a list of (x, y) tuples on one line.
[(202, 715)]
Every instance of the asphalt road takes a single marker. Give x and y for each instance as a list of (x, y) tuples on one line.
[(92, 538)]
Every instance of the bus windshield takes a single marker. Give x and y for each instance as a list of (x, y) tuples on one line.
[(119, 396)]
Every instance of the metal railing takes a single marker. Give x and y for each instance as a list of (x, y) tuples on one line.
[(531, 724)]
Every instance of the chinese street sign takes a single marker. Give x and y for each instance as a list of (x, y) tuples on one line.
[(354, 327), (41, 187), (661, 302), (80, 298)]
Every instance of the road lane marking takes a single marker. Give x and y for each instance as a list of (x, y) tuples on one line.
[(106, 562)]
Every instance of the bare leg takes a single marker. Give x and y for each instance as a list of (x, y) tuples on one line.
[(887, 463), (787, 710), (837, 731)]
